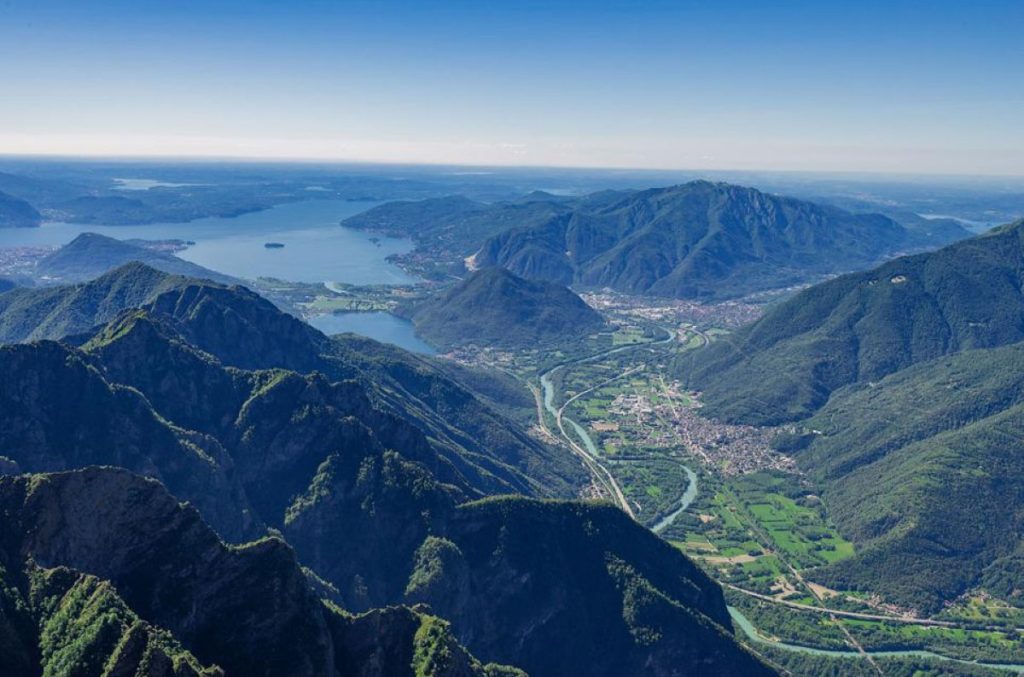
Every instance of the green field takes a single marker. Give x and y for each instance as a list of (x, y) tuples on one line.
[(629, 336), (792, 519)]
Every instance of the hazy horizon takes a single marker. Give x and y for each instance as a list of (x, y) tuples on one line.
[(698, 173)]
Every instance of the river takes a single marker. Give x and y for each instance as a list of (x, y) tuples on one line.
[(684, 503), (741, 621), (549, 404)]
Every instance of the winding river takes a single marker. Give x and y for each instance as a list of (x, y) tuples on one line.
[(741, 621), (549, 404)]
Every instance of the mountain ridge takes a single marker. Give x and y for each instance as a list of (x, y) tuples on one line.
[(863, 326), (247, 609), (346, 455), (90, 255), (699, 240)]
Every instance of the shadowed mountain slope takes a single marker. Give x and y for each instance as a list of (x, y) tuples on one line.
[(105, 568), (361, 457), (243, 330)]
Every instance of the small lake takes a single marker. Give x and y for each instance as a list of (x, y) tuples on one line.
[(316, 248), (383, 327)]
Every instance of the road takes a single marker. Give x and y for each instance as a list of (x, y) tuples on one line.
[(906, 620), (620, 497), (767, 544), (605, 478), (594, 466)]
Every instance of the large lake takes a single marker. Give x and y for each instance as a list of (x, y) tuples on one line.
[(383, 327), (316, 248)]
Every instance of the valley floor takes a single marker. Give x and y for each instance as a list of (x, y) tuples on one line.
[(725, 497)]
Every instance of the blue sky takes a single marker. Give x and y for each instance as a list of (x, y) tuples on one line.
[(860, 86)]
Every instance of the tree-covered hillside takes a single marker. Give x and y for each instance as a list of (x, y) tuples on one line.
[(924, 469), (906, 387), (494, 307), (104, 572), (697, 240), (56, 312), (366, 460), (90, 255), (863, 326), (15, 213)]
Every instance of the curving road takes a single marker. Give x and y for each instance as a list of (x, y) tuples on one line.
[(590, 457), (596, 468)]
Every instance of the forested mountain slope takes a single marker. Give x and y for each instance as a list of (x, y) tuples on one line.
[(924, 469), (90, 255), (234, 324), (863, 326), (15, 213), (906, 384), (105, 572), (55, 312), (495, 307), (367, 460), (698, 240)]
